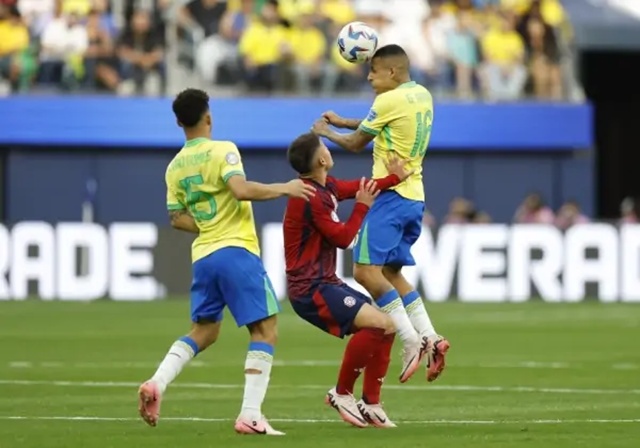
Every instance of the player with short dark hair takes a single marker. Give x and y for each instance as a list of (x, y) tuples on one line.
[(399, 122), (312, 232), (208, 194)]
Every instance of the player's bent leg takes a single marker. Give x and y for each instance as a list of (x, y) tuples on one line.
[(370, 317), (201, 336), (380, 234), (340, 310), (436, 345), (206, 315), (387, 298)]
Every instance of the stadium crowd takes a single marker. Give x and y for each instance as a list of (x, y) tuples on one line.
[(495, 49), (532, 210)]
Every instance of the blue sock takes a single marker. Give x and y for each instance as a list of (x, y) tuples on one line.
[(391, 304), (191, 343), (410, 298), (261, 347), (387, 298)]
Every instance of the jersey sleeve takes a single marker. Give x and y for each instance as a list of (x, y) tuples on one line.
[(232, 163), (347, 189), (326, 221), (380, 114), (172, 200)]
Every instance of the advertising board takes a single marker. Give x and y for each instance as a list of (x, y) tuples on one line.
[(469, 263)]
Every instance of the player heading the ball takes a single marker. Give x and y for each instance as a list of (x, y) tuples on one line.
[(399, 122)]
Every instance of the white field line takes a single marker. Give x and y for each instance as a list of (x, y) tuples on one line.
[(287, 420), (447, 388), (306, 363)]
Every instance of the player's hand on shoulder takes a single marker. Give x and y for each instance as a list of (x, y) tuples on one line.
[(298, 189), (333, 118), (397, 166), (368, 192)]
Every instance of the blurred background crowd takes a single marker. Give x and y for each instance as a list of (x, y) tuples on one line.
[(532, 210), (498, 50)]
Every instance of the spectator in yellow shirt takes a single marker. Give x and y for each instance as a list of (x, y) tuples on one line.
[(263, 47), (335, 14), (308, 46), (551, 10), (14, 42), (504, 70)]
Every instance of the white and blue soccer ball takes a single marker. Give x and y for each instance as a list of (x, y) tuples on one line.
[(357, 42)]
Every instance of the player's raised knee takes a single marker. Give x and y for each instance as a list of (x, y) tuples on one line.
[(388, 326), (370, 317)]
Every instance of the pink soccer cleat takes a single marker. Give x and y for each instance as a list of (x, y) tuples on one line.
[(347, 408), (256, 427), (437, 348), (149, 399)]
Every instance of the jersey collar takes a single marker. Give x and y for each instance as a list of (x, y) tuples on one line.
[(195, 141), (407, 84)]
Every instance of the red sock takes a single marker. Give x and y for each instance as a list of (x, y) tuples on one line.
[(376, 370), (357, 355)]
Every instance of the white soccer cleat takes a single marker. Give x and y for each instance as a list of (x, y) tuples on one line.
[(375, 415), (347, 408), (256, 427), (411, 357)]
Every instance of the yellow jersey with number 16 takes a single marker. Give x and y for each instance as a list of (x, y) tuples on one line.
[(401, 121), (197, 182)]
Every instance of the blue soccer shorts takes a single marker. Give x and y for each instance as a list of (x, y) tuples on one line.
[(331, 308), (236, 278), (391, 227)]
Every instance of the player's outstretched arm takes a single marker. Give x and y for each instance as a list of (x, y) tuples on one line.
[(338, 233), (245, 190), (182, 220), (340, 122), (347, 189), (355, 141)]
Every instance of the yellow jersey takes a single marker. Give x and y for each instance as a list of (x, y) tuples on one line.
[(13, 38), (503, 47), (401, 121), (197, 181), (308, 45), (263, 44)]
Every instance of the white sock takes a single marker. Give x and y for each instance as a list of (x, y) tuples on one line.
[(260, 358), (179, 355), (418, 315), (391, 304)]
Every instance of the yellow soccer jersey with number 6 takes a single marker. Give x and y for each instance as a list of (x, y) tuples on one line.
[(401, 121), (197, 181)]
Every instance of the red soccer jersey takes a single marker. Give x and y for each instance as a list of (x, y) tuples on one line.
[(313, 232)]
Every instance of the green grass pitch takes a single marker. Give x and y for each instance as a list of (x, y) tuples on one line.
[(519, 375)]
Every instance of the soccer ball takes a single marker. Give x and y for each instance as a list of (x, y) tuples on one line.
[(357, 42)]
